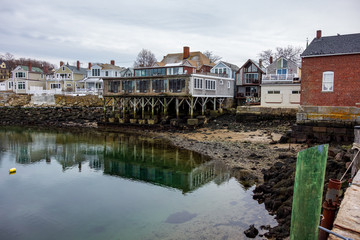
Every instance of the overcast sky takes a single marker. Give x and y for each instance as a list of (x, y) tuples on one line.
[(99, 31)]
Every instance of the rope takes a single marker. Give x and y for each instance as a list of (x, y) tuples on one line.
[(357, 147)]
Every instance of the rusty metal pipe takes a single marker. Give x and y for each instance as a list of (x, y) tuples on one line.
[(330, 205)]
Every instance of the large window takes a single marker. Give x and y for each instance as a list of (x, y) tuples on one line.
[(198, 83), (128, 86), (328, 82), (114, 86), (251, 78), (96, 72), (142, 86), (55, 86), (21, 85), (159, 85), (210, 84), (20, 75), (177, 85), (251, 68)]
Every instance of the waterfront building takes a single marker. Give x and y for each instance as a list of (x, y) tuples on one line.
[(26, 79)]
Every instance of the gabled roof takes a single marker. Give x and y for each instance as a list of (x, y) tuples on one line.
[(196, 59), (112, 67), (33, 69), (255, 63), (75, 70), (233, 67), (333, 45)]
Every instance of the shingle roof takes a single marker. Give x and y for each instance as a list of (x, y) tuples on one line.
[(197, 59), (333, 45), (33, 69), (75, 70), (232, 66)]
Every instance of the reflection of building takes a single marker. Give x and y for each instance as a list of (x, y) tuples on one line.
[(179, 169)]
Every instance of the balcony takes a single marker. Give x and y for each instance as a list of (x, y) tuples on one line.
[(53, 78), (252, 82), (280, 78)]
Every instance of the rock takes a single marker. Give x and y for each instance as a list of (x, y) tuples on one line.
[(252, 232)]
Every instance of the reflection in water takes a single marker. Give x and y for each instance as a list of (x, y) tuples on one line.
[(131, 157)]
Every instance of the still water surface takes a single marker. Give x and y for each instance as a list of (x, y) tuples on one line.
[(115, 186)]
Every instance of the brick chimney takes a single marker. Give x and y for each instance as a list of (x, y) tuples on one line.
[(61, 63), (30, 66), (186, 52), (78, 65), (260, 63), (271, 60), (318, 34), (89, 65), (112, 62), (46, 69)]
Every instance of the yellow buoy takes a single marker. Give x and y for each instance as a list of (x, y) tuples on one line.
[(12, 170)]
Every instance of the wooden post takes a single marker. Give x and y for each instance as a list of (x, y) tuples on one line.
[(191, 107), (214, 104), (308, 190), (152, 107), (134, 107), (105, 109), (142, 108), (124, 107), (113, 106), (177, 107), (356, 165), (165, 107)]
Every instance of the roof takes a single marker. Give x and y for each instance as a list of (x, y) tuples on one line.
[(333, 45), (110, 66), (33, 69), (196, 59), (75, 70), (256, 64), (232, 66)]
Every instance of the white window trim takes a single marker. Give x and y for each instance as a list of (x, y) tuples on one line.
[(210, 84), (198, 83), (328, 81), (228, 84)]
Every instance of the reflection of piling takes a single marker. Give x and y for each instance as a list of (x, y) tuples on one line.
[(330, 205)]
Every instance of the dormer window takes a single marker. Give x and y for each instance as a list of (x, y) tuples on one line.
[(95, 72), (63, 68)]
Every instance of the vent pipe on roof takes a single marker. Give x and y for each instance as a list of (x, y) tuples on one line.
[(186, 52), (78, 65), (318, 34)]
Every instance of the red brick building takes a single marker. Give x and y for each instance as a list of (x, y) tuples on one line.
[(331, 71)]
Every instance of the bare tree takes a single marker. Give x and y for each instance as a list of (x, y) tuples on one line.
[(145, 58), (213, 58), (290, 52)]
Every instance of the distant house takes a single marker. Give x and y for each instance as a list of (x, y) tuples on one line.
[(198, 60), (127, 72), (248, 79), (66, 78), (225, 69), (331, 71), (280, 87), (5, 74), (93, 83), (26, 79)]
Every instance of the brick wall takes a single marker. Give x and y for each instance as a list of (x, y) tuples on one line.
[(346, 70)]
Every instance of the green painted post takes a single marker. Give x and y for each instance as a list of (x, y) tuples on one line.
[(308, 190)]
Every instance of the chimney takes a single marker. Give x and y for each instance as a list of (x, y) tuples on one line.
[(318, 34), (89, 65), (78, 65), (46, 69), (61, 63), (30, 66), (271, 60), (186, 52), (260, 63), (112, 62)]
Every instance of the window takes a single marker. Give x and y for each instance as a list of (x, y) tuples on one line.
[(251, 78), (116, 74), (128, 86), (328, 82), (68, 85), (210, 84), (20, 75), (142, 86), (198, 83), (114, 86), (21, 85), (106, 73), (177, 85), (63, 68), (95, 72), (273, 92), (251, 68), (11, 84), (159, 85), (229, 84), (55, 86), (295, 92), (216, 70)]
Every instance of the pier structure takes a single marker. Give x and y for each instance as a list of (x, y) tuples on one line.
[(173, 91)]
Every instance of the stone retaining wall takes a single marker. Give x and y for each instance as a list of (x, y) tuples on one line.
[(254, 113)]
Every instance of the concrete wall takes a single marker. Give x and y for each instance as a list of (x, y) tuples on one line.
[(248, 113), (285, 99)]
